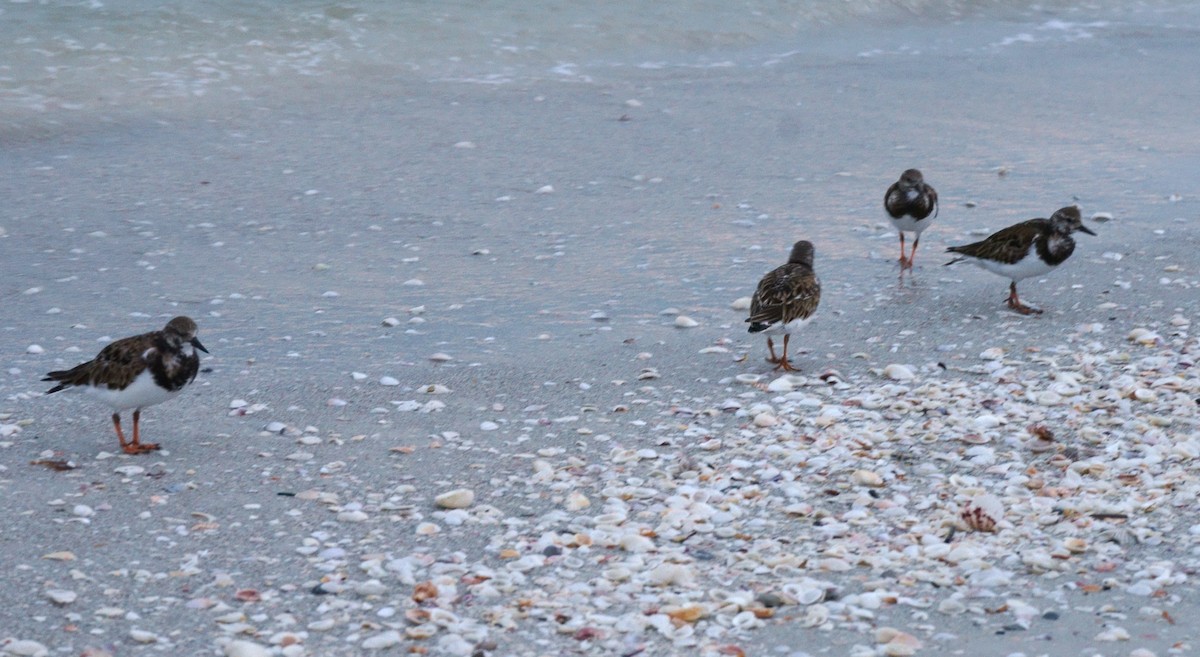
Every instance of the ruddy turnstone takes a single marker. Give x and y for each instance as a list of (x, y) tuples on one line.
[(1030, 248), (909, 203), (137, 372), (786, 300)]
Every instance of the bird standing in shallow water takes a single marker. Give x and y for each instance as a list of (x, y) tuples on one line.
[(909, 202), (1030, 248), (786, 300), (137, 372)]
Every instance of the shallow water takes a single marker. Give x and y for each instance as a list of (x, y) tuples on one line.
[(63, 58)]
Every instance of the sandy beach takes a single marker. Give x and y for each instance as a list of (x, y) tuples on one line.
[(412, 285)]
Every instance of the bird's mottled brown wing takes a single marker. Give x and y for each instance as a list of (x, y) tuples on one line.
[(117, 365), (1008, 245), (787, 293)]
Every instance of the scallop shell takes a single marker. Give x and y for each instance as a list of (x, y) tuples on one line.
[(983, 513)]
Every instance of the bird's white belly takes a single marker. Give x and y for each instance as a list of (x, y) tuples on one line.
[(908, 224), (142, 392), (780, 328), (1030, 265)]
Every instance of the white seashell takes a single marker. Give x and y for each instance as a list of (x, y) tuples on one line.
[(635, 543), (382, 640), (440, 357), (748, 378), (352, 516), (867, 478), (782, 384), (35, 349), (992, 353), (388, 381), (25, 648), (545, 189), (421, 631), (671, 574), (951, 606), (897, 372), (1113, 634), (683, 321), (142, 636), (61, 596), (577, 501), (459, 498), (242, 648), (370, 587), (817, 615), (428, 529), (805, 594), (983, 513), (741, 303), (1048, 398), (765, 420)]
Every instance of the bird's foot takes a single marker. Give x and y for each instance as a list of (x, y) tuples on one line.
[(1023, 309), (139, 448), (786, 366)]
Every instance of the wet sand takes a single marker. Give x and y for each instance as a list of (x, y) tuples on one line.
[(545, 235)]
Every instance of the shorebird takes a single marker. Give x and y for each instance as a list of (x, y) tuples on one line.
[(136, 372), (786, 300), (909, 202), (1030, 248)]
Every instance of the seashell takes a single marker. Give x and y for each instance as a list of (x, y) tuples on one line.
[(459, 498), (417, 616), (867, 478), (805, 594), (61, 596), (992, 353), (685, 613), (898, 372), (741, 303), (817, 615), (748, 378), (577, 501), (983, 513), (143, 636), (671, 574), (242, 648), (1144, 336), (683, 321), (384, 640), (765, 420), (782, 384)]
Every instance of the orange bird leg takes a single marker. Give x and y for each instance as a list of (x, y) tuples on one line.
[(136, 447), (1014, 302), (771, 348), (783, 360), (116, 418), (912, 255), (903, 260)]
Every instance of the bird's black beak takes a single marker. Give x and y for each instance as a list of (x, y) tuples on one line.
[(196, 344), (1086, 230)]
